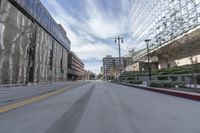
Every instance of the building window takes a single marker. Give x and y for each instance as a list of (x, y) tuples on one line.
[(51, 56), (61, 62), (0, 4), (168, 65)]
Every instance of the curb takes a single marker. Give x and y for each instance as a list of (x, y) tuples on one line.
[(187, 95), (29, 84), (12, 85)]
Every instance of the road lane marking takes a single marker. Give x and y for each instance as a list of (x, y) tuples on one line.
[(29, 101)]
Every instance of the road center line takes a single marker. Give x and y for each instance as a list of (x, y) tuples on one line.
[(29, 101)]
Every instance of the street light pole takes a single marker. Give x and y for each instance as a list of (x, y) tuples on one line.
[(149, 67), (119, 41), (105, 74)]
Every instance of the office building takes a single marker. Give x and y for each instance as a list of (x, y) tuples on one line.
[(111, 65), (75, 67), (172, 27), (33, 47)]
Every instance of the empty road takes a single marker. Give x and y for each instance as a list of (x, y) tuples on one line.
[(101, 107)]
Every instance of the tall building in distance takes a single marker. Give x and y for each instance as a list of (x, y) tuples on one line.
[(108, 67), (75, 67), (111, 66), (171, 25)]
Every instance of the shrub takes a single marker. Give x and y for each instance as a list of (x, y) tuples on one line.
[(156, 84), (162, 78), (174, 78), (115, 80), (162, 73), (182, 72), (179, 83), (131, 78), (138, 82), (131, 82), (125, 81), (168, 85)]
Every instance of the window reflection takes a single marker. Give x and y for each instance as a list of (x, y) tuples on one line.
[(162, 20)]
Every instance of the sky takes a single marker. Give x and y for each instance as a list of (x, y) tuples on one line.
[(92, 26)]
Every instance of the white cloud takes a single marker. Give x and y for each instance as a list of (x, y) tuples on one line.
[(82, 34), (101, 25), (97, 51), (94, 67)]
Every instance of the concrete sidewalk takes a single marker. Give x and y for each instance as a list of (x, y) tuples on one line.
[(183, 94)]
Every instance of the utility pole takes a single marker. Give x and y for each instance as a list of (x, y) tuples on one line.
[(149, 67), (119, 41)]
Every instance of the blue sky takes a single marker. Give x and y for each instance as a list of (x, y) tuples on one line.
[(91, 26)]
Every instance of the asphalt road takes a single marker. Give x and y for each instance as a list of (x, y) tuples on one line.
[(10, 95), (100, 107)]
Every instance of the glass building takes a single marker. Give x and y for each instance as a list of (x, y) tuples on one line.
[(37, 10), (161, 21), (33, 47)]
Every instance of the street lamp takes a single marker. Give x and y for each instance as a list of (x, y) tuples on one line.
[(149, 67), (119, 41)]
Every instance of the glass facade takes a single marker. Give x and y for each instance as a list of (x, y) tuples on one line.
[(0, 3), (39, 13), (161, 21)]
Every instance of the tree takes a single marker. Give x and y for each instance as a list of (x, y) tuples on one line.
[(100, 76), (92, 75)]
